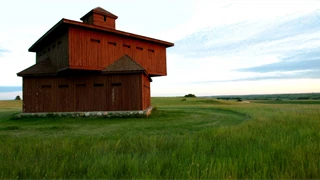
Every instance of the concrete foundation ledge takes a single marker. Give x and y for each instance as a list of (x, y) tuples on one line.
[(107, 114)]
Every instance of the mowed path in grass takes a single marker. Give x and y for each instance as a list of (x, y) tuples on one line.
[(184, 138), (174, 117)]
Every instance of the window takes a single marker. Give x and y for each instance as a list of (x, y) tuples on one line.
[(46, 86), (49, 49), (95, 40), (63, 85), (105, 18), (97, 85), (59, 42), (151, 50), (127, 46), (112, 43), (116, 84), (53, 46), (139, 48)]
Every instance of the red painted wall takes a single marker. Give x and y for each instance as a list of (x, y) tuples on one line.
[(85, 93), (96, 50)]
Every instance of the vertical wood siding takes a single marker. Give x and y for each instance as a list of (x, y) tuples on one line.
[(98, 20), (146, 102), (84, 93), (96, 50), (57, 51)]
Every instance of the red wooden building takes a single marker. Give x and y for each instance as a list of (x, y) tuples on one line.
[(91, 66)]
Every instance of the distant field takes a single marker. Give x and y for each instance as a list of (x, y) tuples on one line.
[(298, 96), (185, 138), (286, 101)]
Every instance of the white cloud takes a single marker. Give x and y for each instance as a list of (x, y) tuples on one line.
[(208, 13), (298, 42)]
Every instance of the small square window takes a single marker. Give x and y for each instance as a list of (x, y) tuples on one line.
[(98, 85), (112, 43), (95, 40), (63, 86)]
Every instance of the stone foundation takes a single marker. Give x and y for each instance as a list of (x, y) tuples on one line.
[(106, 114)]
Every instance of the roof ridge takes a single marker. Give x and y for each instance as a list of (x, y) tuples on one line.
[(103, 11)]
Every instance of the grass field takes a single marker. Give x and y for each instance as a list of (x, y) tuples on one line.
[(196, 138)]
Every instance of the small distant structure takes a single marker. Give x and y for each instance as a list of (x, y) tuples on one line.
[(190, 95), (91, 66), (17, 98)]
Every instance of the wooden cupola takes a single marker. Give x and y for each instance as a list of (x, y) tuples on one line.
[(100, 17)]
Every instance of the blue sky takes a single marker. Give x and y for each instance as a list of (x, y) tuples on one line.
[(221, 47)]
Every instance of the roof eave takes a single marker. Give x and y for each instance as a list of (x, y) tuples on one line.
[(38, 74), (83, 17), (33, 47), (122, 33)]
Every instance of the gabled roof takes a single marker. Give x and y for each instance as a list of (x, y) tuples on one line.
[(101, 11), (42, 68), (124, 64)]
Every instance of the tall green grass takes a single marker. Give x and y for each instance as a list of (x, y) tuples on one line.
[(192, 139)]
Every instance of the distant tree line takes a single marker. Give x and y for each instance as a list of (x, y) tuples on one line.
[(17, 98), (279, 97), (190, 95)]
